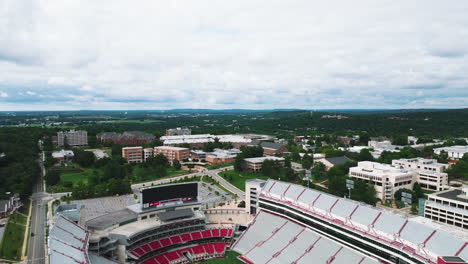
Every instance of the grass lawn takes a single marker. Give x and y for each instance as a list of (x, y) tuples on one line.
[(229, 258), (14, 235), (239, 178), (73, 177)]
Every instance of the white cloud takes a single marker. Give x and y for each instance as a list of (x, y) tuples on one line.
[(234, 54), (3, 94)]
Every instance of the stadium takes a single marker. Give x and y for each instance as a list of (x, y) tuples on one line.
[(281, 223)]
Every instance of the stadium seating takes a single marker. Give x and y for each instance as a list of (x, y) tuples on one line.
[(183, 238), (197, 253), (275, 240)]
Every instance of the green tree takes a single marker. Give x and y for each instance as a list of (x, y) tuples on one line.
[(84, 158), (52, 177), (176, 164), (307, 161), (365, 155)]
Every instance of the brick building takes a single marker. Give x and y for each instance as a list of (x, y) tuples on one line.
[(127, 138), (72, 138), (173, 153), (133, 154)]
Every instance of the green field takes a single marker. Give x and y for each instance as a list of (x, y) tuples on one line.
[(14, 235), (239, 178), (229, 258)]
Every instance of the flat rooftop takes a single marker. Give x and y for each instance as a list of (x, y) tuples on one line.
[(171, 148), (108, 220), (262, 159), (453, 195)]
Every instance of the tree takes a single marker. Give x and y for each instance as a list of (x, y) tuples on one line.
[(287, 162), (418, 191), (459, 170), (52, 177), (414, 209), (190, 166), (116, 150), (176, 164), (295, 156), (84, 158), (365, 155), (307, 161), (400, 140)]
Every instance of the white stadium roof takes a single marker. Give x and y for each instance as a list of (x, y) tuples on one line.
[(396, 231), (274, 239)]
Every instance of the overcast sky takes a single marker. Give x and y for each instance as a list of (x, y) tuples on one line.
[(100, 54)]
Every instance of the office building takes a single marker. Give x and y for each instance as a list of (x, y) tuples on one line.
[(133, 154), (430, 173), (387, 178), (147, 153), (449, 207), (172, 153), (127, 138), (255, 164), (72, 138)]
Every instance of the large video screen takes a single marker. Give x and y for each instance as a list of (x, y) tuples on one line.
[(169, 193)]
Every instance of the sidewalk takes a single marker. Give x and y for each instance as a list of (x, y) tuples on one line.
[(26, 233)]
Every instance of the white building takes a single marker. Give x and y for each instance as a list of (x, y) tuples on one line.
[(449, 207), (147, 153), (430, 173), (63, 155), (387, 178), (454, 152), (73, 138), (255, 164)]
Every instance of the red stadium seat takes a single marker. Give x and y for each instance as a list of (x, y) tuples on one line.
[(209, 248), (230, 232), (224, 232), (215, 232), (161, 259), (196, 235), (165, 242), (175, 239), (206, 234), (185, 237), (138, 252), (219, 247), (146, 248), (198, 249), (172, 255), (155, 245)]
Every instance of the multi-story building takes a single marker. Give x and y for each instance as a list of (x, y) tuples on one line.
[(72, 138), (179, 131), (454, 152), (430, 173), (126, 138), (448, 207), (173, 153), (197, 141), (387, 178), (255, 164), (147, 153), (221, 156), (133, 154)]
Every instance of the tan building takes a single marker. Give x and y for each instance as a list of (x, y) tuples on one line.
[(430, 173), (147, 153), (133, 154), (449, 207), (173, 153), (255, 164)]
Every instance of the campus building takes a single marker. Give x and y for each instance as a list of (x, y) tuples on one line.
[(172, 153), (197, 141), (179, 131), (133, 154), (430, 173), (72, 138), (449, 207), (147, 153), (255, 164), (63, 155), (127, 138), (387, 178), (454, 152), (221, 156)]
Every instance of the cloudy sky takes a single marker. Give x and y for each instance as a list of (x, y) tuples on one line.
[(88, 54)]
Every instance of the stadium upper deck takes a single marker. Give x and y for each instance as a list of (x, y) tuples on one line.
[(380, 233)]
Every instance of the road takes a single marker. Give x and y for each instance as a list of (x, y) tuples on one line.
[(36, 247), (212, 173)]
